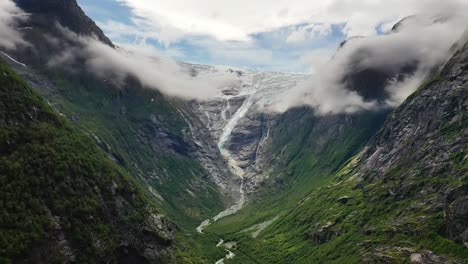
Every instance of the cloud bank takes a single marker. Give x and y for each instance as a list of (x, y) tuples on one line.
[(402, 59), (379, 71), (117, 65), (10, 15), (366, 73), (261, 34), (237, 20)]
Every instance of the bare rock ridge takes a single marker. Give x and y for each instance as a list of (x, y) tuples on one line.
[(428, 134), (66, 12)]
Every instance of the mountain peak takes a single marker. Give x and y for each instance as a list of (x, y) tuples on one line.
[(67, 12)]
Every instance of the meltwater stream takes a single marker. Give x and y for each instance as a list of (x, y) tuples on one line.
[(259, 88), (233, 167)]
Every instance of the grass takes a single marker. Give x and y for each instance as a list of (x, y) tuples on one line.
[(306, 167)]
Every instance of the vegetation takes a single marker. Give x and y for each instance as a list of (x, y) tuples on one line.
[(142, 131), (302, 169), (373, 214), (371, 223), (56, 186)]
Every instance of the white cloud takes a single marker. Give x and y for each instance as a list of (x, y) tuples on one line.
[(234, 52), (149, 50), (237, 20), (421, 43), (309, 31), (325, 90), (10, 15), (317, 58), (161, 73)]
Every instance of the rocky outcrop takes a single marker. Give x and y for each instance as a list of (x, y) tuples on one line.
[(246, 140), (44, 13), (52, 27), (324, 233), (426, 138), (202, 145)]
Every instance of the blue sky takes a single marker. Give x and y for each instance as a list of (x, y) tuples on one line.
[(272, 35), (264, 51)]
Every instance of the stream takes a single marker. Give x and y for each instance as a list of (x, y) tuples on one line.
[(258, 87), (232, 163), (233, 167)]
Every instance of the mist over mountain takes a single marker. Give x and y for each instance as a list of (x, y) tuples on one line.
[(110, 155)]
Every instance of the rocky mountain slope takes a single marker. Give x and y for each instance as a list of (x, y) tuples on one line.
[(402, 199), (183, 152), (277, 187), (62, 200), (155, 138)]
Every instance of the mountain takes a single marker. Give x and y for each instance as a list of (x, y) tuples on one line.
[(45, 13), (62, 199), (171, 146), (402, 199), (199, 179), (143, 131)]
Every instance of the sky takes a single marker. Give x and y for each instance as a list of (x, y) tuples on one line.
[(290, 36), (221, 32), (269, 35)]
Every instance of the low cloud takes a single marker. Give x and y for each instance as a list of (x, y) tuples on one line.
[(365, 73), (379, 71), (164, 74), (255, 27), (302, 33), (10, 16), (238, 20)]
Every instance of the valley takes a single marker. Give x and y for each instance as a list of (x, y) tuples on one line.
[(101, 162)]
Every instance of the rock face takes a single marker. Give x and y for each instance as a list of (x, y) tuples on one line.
[(370, 80), (427, 136), (75, 205), (323, 234), (158, 140), (44, 13), (238, 120), (408, 186)]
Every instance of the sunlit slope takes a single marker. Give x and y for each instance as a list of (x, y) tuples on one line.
[(402, 199)]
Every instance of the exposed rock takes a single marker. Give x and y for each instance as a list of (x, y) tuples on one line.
[(344, 199), (416, 258), (427, 257), (324, 233), (67, 13), (420, 153)]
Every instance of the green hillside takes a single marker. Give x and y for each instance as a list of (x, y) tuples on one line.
[(400, 200), (61, 198)]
